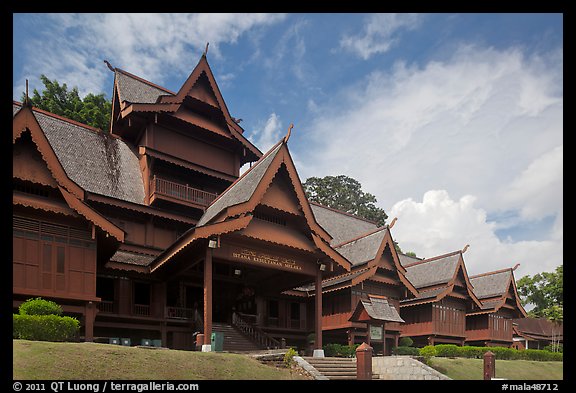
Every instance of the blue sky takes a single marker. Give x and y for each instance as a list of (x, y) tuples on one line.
[(453, 121)]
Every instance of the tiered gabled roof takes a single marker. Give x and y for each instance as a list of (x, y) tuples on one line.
[(56, 139), (340, 225), (436, 277), (364, 252), (375, 308), (233, 210), (137, 95), (492, 288), (538, 329)]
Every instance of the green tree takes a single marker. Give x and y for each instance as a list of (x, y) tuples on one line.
[(546, 292), (94, 110), (344, 193)]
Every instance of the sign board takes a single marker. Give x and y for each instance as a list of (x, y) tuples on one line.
[(376, 332), (273, 259)]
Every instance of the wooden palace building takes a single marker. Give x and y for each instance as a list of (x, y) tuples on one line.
[(148, 231)]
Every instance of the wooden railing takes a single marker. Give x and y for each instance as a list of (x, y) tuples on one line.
[(181, 191), (179, 313), (141, 310), (255, 333), (106, 306)]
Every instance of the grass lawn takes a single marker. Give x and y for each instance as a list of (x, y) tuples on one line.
[(53, 361), (461, 368)]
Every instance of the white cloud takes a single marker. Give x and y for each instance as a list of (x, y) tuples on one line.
[(457, 125), (379, 34), (542, 182), (463, 125), (439, 225), (152, 46), (267, 135)]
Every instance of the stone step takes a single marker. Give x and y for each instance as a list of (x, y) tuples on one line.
[(345, 377), (340, 369)]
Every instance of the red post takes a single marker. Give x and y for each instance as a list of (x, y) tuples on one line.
[(318, 331), (489, 366), (207, 300), (364, 362)]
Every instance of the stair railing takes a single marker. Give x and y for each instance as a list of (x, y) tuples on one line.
[(255, 333)]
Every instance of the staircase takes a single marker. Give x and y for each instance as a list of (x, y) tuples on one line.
[(234, 341), (334, 368)]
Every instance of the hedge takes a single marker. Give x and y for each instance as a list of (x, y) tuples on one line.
[(39, 306), (45, 327), (404, 350), (341, 351), (451, 350)]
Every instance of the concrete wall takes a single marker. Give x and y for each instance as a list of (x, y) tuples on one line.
[(403, 367)]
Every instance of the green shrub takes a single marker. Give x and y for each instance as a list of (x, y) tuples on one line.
[(289, 357), (556, 348), (503, 353), (401, 350), (405, 342), (471, 352), (339, 350), (45, 327), (427, 352), (447, 350), (541, 355), (39, 306)]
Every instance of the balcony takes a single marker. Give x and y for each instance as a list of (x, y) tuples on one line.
[(179, 193)]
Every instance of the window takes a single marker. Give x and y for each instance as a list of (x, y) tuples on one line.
[(47, 258), (141, 293), (60, 259), (273, 309), (295, 311)]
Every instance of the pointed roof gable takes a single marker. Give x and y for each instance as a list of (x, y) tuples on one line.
[(92, 160), (340, 225), (133, 89), (39, 125), (365, 253), (433, 271), (375, 308), (248, 191), (492, 289), (440, 274), (140, 95)]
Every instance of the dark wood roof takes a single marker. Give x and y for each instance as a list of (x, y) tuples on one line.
[(433, 271), (134, 89), (377, 308), (242, 189), (364, 248), (340, 225), (96, 161), (490, 285)]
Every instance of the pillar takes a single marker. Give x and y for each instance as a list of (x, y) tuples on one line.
[(207, 347), (383, 338), (318, 351), (89, 317), (364, 362), (489, 366)]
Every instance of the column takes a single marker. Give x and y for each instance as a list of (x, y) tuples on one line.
[(207, 347), (89, 317), (383, 338), (318, 351)]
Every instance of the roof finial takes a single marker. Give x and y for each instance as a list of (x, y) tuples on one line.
[(110, 66), (27, 97), (288, 133), (393, 222), (515, 267), (465, 248), (206, 50)]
